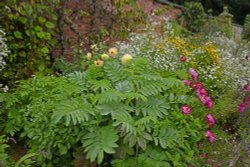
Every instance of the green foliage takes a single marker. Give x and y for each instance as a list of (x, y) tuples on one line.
[(30, 31), (215, 25), (129, 15), (3, 154), (195, 16), (98, 141), (120, 110), (247, 27)]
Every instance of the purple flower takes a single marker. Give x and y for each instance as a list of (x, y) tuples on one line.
[(210, 120), (210, 136), (242, 107), (186, 109), (247, 57), (193, 74)]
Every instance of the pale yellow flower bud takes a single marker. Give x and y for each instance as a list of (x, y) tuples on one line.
[(105, 56), (126, 58), (89, 56)]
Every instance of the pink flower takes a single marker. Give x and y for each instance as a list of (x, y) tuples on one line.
[(245, 87), (186, 109), (247, 99), (208, 161), (210, 120), (206, 100), (193, 74), (197, 85), (203, 155), (210, 136), (187, 82), (203, 99), (209, 104), (201, 92), (242, 107)]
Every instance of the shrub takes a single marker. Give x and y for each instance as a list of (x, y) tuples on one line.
[(30, 35), (195, 16), (114, 112), (247, 27), (215, 26)]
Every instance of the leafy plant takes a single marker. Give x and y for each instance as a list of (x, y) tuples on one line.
[(195, 16), (112, 112), (30, 36), (247, 27), (3, 154)]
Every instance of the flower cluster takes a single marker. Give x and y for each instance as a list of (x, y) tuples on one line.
[(202, 95), (243, 106), (3, 50), (233, 59), (112, 53)]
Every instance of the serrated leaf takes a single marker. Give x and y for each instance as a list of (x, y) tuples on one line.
[(101, 140)]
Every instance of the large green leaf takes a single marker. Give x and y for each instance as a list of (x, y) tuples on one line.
[(99, 141)]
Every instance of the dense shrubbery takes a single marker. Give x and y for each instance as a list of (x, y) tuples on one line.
[(29, 31)]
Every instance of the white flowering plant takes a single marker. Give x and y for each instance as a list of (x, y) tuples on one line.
[(3, 49)]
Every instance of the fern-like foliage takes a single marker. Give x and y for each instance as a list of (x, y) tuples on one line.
[(99, 141), (3, 153), (114, 71), (74, 111), (153, 107), (115, 109)]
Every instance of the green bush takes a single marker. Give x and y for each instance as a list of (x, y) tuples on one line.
[(195, 16), (30, 35), (125, 114), (247, 27)]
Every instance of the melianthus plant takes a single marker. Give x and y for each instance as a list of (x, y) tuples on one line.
[(125, 110)]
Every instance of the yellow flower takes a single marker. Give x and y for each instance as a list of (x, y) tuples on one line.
[(105, 56), (98, 63), (93, 47), (126, 58), (89, 56), (112, 52)]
